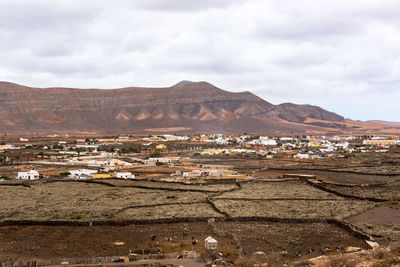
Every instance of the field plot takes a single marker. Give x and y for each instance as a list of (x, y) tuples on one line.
[(293, 209), (381, 221), (340, 177), (384, 192), (45, 242), (386, 170), (308, 239), (82, 201), (68, 241), (196, 210), (278, 190), (171, 185)]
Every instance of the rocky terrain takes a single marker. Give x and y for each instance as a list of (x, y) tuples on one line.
[(185, 107)]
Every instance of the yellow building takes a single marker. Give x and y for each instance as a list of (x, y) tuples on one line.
[(101, 175), (161, 146)]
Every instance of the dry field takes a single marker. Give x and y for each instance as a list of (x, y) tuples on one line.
[(304, 212), (385, 192), (52, 242), (294, 209), (171, 185), (340, 177), (120, 200), (382, 222), (294, 189), (308, 239), (172, 211), (49, 242), (90, 202)]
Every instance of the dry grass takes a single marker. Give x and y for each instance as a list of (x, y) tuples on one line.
[(386, 256), (244, 262), (170, 211), (343, 261), (381, 253), (59, 201), (299, 209), (172, 185), (384, 230), (271, 190), (389, 192), (379, 257)]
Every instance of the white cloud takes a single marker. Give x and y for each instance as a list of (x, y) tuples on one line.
[(341, 55)]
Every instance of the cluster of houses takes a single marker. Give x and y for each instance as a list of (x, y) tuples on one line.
[(160, 142), (87, 174), (305, 147), (300, 147), (77, 174)]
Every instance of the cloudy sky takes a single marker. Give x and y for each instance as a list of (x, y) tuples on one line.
[(343, 55)]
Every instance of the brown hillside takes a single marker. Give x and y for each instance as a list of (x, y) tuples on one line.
[(188, 106)]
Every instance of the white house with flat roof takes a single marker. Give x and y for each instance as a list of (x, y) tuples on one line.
[(125, 175), (29, 175), (82, 173)]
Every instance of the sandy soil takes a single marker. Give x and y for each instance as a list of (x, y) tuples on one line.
[(43, 242), (382, 215), (387, 192), (278, 190), (297, 209)]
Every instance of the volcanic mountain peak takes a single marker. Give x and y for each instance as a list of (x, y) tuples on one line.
[(189, 106), (183, 82)]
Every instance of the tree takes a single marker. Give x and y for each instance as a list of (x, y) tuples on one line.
[(58, 147), (4, 177), (64, 174), (79, 150), (2, 159), (155, 155)]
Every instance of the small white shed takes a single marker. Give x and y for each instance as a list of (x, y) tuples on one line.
[(210, 244)]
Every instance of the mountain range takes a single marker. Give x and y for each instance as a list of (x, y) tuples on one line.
[(184, 107)]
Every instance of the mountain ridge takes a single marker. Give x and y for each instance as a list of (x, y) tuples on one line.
[(186, 106)]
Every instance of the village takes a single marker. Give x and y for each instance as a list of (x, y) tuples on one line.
[(196, 200), (131, 157)]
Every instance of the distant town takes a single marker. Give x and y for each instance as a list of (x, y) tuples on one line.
[(118, 156)]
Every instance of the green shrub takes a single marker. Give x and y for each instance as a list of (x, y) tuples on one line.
[(76, 216), (65, 174), (4, 177)]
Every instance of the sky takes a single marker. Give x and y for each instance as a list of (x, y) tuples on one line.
[(342, 55)]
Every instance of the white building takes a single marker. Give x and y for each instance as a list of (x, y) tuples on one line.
[(30, 175), (285, 138), (125, 175), (82, 173), (264, 140), (8, 147), (343, 144), (302, 156), (210, 244), (164, 159)]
